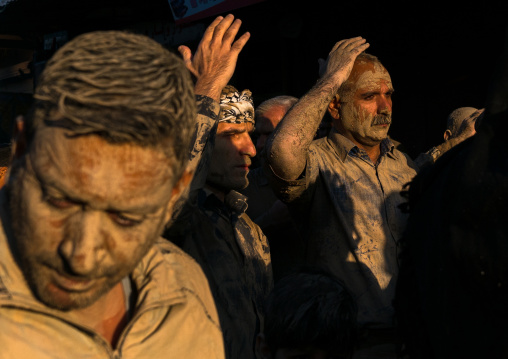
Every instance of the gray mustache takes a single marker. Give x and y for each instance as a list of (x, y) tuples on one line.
[(382, 120)]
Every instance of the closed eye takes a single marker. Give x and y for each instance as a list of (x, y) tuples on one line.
[(60, 203), (125, 220)]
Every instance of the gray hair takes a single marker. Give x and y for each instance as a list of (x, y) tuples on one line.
[(286, 101)]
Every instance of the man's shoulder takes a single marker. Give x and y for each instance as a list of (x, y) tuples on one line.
[(404, 160), (184, 266), (187, 275)]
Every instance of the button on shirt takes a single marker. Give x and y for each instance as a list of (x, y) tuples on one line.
[(348, 208)]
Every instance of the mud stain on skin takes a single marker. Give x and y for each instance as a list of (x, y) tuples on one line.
[(109, 241)]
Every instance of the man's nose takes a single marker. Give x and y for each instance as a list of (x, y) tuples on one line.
[(247, 147), (384, 105), (83, 247)]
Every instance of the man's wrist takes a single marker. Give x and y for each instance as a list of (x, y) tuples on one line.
[(434, 152)]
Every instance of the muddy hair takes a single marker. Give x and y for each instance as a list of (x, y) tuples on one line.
[(311, 308), (122, 86), (365, 57)]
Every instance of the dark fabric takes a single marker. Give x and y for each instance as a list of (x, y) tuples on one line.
[(234, 254), (452, 294)]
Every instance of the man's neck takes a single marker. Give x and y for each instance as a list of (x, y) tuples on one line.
[(373, 152), (108, 316), (219, 193)]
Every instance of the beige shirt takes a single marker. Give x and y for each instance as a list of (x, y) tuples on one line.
[(174, 315), (349, 211)]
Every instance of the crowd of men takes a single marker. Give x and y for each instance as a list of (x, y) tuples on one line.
[(134, 224)]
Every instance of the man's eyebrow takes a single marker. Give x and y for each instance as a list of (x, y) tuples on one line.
[(376, 92), (233, 130)]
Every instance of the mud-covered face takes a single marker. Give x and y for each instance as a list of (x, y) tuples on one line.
[(231, 156), (365, 112), (84, 213)]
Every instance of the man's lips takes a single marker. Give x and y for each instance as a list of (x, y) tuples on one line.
[(71, 283), (244, 166)]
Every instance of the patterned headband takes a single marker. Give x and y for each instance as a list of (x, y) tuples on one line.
[(237, 107)]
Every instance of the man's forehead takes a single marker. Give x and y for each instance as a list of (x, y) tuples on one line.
[(92, 162), (367, 74), (226, 126)]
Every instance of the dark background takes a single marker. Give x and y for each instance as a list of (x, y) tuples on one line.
[(440, 57)]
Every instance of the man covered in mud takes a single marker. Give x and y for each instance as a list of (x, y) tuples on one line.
[(212, 225), (344, 189), (97, 167)]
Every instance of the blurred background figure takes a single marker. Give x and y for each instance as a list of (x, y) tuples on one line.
[(458, 117)]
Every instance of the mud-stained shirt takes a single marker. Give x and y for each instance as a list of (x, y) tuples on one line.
[(348, 208), (231, 249)]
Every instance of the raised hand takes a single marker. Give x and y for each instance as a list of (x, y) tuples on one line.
[(468, 126), (214, 61), (341, 59)]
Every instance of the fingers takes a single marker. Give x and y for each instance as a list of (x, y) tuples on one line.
[(231, 31), (354, 43), (185, 52), (226, 31), (210, 30), (223, 26), (240, 43)]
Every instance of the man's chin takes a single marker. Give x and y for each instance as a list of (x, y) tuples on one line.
[(60, 299)]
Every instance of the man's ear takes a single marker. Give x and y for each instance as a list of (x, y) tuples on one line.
[(180, 190), (19, 141), (447, 135), (262, 348), (333, 107)]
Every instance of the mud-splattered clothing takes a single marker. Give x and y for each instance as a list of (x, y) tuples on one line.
[(348, 209), (231, 249), (174, 314)]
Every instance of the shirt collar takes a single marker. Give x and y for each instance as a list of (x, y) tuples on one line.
[(344, 146), (233, 201)]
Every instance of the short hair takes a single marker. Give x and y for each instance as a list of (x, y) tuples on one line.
[(124, 87), (310, 307), (457, 116), (283, 100)]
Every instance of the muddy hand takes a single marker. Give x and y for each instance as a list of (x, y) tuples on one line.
[(341, 59)]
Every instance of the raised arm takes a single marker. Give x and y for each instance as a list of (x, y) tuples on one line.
[(212, 65), (215, 59), (288, 145), (466, 130)]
